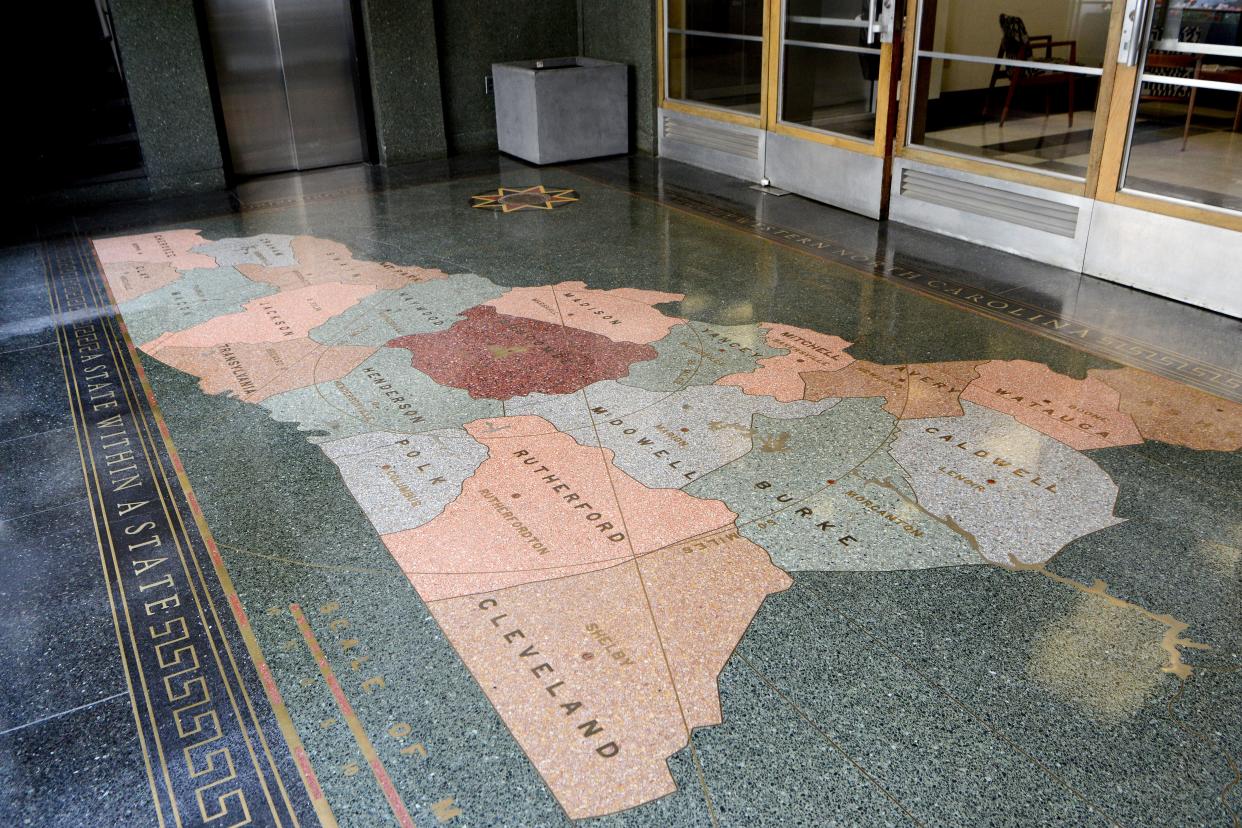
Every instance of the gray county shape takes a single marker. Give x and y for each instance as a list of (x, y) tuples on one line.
[(857, 524), (570, 412), (1021, 493), (200, 295), (384, 393), (402, 481), (696, 353), (423, 307), (266, 249), (663, 439), (266, 490), (790, 460), (689, 433)]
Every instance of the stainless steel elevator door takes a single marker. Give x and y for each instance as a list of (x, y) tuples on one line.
[(317, 43), (287, 75), (246, 49)]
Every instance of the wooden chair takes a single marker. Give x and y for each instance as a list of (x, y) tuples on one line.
[(1017, 44), (1174, 65), (1228, 74)]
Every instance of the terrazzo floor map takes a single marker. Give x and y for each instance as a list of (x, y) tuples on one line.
[(561, 471)]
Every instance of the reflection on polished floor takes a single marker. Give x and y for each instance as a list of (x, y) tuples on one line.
[(482, 494)]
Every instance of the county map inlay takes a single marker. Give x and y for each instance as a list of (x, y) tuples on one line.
[(594, 493)]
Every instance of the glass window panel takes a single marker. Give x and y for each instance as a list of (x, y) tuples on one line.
[(1185, 141), (715, 52), (831, 35), (824, 88), (1069, 31), (715, 71), (729, 17), (1037, 132), (821, 20), (1206, 22), (832, 91), (1037, 109)]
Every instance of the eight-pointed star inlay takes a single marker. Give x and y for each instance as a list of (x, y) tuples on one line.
[(512, 199)]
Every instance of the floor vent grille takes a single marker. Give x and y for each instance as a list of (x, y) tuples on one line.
[(1015, 208), (742, 144)]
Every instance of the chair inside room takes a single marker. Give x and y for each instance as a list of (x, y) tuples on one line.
[(1172, 64), (1184, 65), (1017, 44)]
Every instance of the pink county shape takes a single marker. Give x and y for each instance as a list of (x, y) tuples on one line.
[(170, 246), (277, 318), (781, 376), (622, 315)]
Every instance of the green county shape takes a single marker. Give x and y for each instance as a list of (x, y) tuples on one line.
[(198, 296), (883, 467), (832, 530), (423, 307), (809, 452), (266, 249), (370, 397), (696, 353)]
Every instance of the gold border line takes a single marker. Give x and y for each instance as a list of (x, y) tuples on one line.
[(280, 711), (602, 454), (143, 429), (75, 399), (62, 348), (165, 494), (351, 718)]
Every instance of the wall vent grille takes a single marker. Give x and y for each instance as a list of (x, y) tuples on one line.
[(734, 142), (1002, 205)]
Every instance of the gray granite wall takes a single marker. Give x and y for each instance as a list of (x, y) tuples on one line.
[(474, 34), (404, 71), (163, 60), (426, 59), (625, 31)]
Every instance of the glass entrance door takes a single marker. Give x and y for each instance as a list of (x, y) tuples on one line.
[(830, 67), (715, 54), (1130, 101), (1048, 128), (1185, 132), (830, 117), (1010, 82)]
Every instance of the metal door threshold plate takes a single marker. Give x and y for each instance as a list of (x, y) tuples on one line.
[(768, 189)]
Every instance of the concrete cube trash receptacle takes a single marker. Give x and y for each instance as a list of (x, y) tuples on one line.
[(561, 109)]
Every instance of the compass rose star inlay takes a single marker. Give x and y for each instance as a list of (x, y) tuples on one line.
[(512, 199)]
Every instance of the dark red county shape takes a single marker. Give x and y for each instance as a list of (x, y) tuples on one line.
[(496, 356)]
